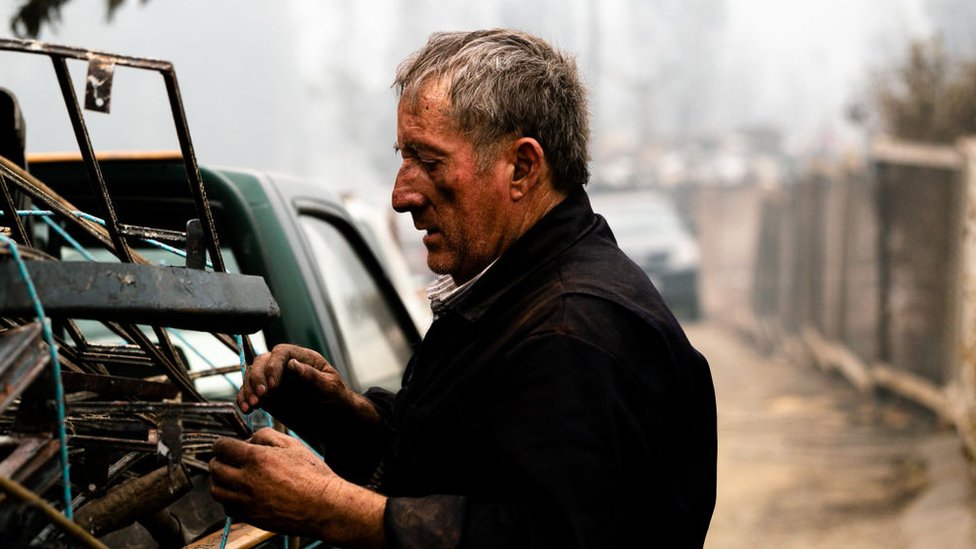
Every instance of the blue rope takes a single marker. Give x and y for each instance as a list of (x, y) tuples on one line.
[(226, 534), (58, 386), (67, 237), (240, 354)]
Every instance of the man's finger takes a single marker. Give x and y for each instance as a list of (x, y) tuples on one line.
[(260, 376), (232, 451), (326, 382), (269, 437), (232, 501), (227, 477), (306, 356), (256, 379)]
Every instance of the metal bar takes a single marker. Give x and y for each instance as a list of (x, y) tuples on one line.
[(224, 411), (196, 251), (143, 294), (45, 48), (176, 374), (39, 192), (9, 209), (132, 355), (116, 387), (23, 356), (112, 442), (71, 327), (167, 348), (153, 234), (192, 169), (248, 350), (236, 369), (25, 447), (41, 457), (58, 54), (95, 178), (145, 407)]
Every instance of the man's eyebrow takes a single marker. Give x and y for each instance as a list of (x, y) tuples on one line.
[(414, 147)]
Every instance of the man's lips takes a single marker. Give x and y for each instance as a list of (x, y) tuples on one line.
[(432, 236)]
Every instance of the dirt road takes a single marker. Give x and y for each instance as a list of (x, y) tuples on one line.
[(807, 462)]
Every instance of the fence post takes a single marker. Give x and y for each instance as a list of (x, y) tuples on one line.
[(962, 391)]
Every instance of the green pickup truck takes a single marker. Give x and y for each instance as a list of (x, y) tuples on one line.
[(160, 279), (322, 265)]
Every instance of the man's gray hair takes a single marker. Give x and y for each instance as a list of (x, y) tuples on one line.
[(504, 82)]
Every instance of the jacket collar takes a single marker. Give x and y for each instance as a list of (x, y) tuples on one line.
[(559, 229)]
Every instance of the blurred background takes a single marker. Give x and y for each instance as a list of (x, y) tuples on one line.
[(797, 177)]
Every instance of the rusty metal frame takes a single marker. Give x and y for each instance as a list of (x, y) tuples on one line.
[(145, 419), (23, 355), (59, 56)]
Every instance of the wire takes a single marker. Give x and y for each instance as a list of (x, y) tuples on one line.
[(67, 237)]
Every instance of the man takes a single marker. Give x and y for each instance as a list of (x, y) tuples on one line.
[(554, 402)]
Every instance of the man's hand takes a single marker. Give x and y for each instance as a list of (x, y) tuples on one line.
[(300, 388), (275, 483)]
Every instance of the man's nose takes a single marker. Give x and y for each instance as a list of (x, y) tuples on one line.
[(406, 196)]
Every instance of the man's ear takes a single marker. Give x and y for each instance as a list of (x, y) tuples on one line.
[(529, 166)]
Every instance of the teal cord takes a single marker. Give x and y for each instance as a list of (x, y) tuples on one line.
[(67, 237), (58, 386), (226, 534), (240, 353)]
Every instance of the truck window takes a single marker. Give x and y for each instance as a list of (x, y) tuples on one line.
[(376, 347)]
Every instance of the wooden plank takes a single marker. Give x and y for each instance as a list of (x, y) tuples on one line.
[(916, 154), (242, 536), (914, 388), (962, 389), (838, 357)]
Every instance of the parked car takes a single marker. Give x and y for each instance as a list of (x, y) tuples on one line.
[(650, 231)]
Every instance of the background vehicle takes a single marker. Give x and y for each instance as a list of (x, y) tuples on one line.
[(649, 230)]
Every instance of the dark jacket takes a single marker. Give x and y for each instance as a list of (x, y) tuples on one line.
[(558, 404)]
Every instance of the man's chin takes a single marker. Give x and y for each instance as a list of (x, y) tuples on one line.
[(439, 264)]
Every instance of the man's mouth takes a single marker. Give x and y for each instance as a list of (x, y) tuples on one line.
[(431, 236)]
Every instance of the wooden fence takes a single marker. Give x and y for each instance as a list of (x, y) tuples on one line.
[(869, 269)]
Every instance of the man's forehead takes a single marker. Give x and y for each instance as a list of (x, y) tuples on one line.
[(433, 94), (424, 120)]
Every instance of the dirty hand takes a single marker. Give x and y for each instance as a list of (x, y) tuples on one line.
[(295, 384), (275, 483)]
